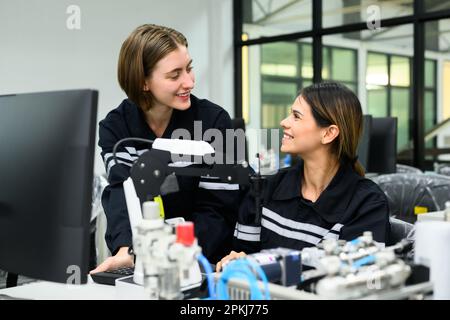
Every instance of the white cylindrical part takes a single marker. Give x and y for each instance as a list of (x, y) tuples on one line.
[(150, 210), (432, 239)]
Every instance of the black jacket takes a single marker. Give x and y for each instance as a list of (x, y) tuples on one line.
[(214, 212), (349, 206)]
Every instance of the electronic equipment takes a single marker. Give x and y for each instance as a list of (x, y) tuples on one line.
[(281, 265), (109, 277)]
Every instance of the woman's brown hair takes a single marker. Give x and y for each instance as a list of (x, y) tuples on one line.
[(333, 103), (139, 54)]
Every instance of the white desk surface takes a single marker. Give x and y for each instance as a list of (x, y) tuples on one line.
[(44, 290)]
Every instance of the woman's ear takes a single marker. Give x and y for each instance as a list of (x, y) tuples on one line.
[(146, 85), (330, 133)]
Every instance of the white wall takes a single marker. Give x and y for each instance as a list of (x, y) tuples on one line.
[(39, 53)]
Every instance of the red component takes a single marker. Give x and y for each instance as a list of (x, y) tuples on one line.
[(185, 233)]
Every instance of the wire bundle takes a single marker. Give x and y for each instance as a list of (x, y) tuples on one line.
[(246, 269)]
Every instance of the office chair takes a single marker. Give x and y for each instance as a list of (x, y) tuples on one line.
[(402, 168), (400, 230), (443, 168), (412, 193), (382, 146)]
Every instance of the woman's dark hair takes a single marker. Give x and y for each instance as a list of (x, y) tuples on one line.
[(334, 103), (139, 54)]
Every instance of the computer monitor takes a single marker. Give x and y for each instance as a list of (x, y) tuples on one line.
[(383, 145), (47, 143)]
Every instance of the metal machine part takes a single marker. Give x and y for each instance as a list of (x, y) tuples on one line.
[(358, 268), (169, 261)]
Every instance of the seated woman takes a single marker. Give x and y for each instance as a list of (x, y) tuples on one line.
[(325, 195), (155, 71)]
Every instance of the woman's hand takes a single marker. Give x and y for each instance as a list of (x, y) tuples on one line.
[(120, 260), (233, 255)]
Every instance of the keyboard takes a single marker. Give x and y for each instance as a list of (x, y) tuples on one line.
[(109, 277)]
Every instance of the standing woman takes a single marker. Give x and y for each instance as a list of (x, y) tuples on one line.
[(325, 195), (155, 71)]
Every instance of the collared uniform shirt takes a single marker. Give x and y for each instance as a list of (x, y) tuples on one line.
[(212, 206), (349, 206)]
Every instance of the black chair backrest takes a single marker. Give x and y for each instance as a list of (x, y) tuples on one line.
[(399, 230), (409, 193), (383, 145), (443, 169), (403, 168)]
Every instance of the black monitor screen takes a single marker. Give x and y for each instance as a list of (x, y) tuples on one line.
[(47, 143), (383, 145)]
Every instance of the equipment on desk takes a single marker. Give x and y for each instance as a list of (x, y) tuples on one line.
[(152, 238), (341, 270), (47, 160), (109, 277), (360, 267), (432, 250), (281, 265), (163, 265), (169, 261), (154, 173), (357, 269)]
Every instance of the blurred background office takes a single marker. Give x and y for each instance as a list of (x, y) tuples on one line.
[(395, 55)]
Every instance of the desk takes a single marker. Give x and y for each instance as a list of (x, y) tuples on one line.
[(44, 290)]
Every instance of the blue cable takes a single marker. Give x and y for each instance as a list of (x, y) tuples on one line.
[(237, 271), (363, 261), (243, 269), (262, 275), (209, 275)]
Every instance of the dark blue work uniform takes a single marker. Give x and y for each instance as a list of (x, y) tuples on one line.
[(349, 206), (211, 206)]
